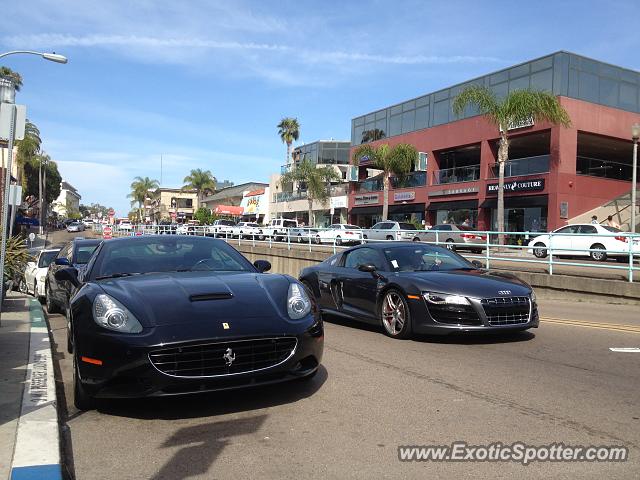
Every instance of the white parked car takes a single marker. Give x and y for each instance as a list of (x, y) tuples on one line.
[(246, 230), (220, 228), (340, 233), (390, 230), (35, 273), (581, 240), (125, 226)]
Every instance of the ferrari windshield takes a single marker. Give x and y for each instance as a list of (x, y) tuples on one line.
[(167, 254), (409, 258)]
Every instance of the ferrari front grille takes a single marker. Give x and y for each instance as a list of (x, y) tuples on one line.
[(223, 358)]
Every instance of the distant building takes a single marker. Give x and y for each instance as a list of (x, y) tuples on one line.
[(68, 202), (172, 204), (225, 184), (290, 201), (232, 197)]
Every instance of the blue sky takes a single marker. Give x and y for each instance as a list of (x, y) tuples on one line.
[(204, 83)]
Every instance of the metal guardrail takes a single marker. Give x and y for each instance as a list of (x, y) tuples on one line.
[(628, 252)]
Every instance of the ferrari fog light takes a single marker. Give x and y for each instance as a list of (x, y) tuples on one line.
[(445, 299), (111, 314)]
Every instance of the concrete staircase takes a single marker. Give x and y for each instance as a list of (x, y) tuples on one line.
[(619, 208)]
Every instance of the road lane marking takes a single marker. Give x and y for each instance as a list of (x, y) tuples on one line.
[(625, 349), (595, 325)]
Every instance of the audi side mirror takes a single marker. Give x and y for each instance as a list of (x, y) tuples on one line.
[(69, 274), (262, 265), (62, 261), (477, 263), (367, 267)]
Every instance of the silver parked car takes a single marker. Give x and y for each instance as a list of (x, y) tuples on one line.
[(390, 230), (454, 237)]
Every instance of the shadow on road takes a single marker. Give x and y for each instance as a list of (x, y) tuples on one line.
[(214, 403), (200, 446), (468, 338)]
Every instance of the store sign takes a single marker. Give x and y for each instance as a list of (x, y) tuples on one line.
[(527, 122), (366, 199), (519, 186), (404, 196), (564, 209), (338, 202), (454, 191)]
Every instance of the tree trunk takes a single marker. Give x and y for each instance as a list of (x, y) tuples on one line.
[(288, 153), (385, 195), (503, 156), (311, 219)]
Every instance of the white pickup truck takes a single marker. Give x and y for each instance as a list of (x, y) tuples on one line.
[(278, 229)]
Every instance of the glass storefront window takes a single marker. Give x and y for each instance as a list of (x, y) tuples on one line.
[(467, 216), (530, 219)]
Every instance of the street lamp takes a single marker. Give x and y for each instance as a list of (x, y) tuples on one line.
[(635, 135), (52, 57), (9, 97)]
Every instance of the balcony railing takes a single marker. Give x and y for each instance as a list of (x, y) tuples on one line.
[(335, 191), (415, 179), (523, 166), (456, 175), (604, 168), (371, 185)]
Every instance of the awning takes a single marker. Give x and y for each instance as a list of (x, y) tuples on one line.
[(459, 205), (366, 210), (518, 202), (403, 208), (228, 210)]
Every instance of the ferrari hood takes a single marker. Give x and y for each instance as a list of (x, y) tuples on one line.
[(476, 283), (181, 298)]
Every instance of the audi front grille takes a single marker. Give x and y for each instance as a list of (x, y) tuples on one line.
[(507, 310)]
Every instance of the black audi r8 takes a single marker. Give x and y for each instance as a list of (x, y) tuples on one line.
[(166, 315), (409, 288)]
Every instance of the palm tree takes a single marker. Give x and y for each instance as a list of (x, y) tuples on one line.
[(140, 188), (317, 181), (28, 149), (518, 107), (289, 131), (15, 77), (397, 160), (202, 181)]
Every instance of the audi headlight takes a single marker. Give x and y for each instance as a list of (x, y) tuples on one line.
[(111, 314), (534, 299), (445, 299), (298, 303)]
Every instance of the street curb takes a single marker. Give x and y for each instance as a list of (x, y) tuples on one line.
[(37, 449)]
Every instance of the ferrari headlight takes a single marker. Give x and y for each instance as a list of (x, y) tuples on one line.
[(445, 299), (298, 303), (111, 314)]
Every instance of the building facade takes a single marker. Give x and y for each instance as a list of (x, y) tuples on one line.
[(231, 197), (554, 174), (172, 205), (68, 202), (290, 201)]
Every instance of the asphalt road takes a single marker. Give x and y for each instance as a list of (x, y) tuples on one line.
[(559, 383)]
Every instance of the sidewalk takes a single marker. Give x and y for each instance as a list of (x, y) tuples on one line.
[(29, 434)]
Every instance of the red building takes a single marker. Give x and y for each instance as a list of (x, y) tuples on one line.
[(554, 174)]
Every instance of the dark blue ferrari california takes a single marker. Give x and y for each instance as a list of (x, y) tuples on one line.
[(167, 315)]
